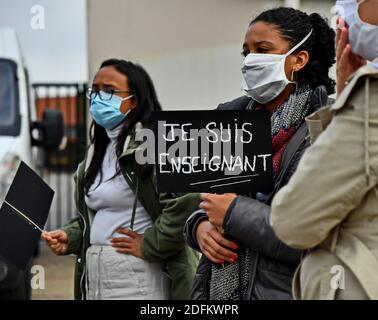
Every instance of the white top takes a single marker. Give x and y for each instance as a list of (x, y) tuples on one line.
[(113, 200)]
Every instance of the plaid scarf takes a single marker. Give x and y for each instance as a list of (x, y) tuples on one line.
[(286, 120), (231, 281)]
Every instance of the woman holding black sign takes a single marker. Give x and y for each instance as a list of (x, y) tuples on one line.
[(127, 237), (288, 55)]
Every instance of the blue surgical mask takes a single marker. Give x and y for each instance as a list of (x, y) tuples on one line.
[(107, 113)]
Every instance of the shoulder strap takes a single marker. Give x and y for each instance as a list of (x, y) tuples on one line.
[(250, 104), (293, 146), (134, 205)]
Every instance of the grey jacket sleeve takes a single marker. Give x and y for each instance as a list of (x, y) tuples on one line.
[(248, 221)]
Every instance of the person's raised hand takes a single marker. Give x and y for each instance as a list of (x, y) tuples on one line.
[(347, 62)]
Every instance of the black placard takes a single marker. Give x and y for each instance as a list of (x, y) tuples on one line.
[(28, 201), (240, 162)]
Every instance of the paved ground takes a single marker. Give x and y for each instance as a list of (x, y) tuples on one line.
[(59, 273)]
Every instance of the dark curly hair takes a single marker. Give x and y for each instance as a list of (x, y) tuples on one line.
[(294, 26)]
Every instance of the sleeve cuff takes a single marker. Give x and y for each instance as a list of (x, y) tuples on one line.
[(191, 226), (227, 217), (194, 229)]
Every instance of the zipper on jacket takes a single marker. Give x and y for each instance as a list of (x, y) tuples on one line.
[(84, 264), (83, 242)]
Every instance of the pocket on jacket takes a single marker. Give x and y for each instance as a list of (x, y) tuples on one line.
[(270, 285), (118, 272), (149, 275), (326, 290), (199, 288), (201, 280), (315, 276)]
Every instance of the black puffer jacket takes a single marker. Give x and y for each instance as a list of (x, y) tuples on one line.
[(247, 222)]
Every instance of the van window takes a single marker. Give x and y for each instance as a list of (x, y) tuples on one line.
[(9, 102)]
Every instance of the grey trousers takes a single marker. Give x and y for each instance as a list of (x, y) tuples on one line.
[(115, 276)]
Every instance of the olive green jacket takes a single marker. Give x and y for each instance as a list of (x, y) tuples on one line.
[(163, 242), (330, 206)]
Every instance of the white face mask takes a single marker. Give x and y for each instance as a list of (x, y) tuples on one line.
[(363, 36), (264, 76)]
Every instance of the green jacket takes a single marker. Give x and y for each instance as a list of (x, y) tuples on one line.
[(163, 242)]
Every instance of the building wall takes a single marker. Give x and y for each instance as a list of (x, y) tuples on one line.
[(190, 48)]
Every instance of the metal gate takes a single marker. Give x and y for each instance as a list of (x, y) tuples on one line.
[(60, 165)]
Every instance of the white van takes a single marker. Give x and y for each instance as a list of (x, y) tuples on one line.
[(20, 135)]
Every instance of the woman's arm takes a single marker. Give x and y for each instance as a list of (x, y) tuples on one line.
[(202, 236), (247, 222), (331, 179)]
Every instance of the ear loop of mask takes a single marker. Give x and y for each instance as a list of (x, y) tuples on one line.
[(125, 99), (291, 51), (300, 43), (293, 71), (294, 94)]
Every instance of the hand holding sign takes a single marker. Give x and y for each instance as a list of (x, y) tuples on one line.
[(23, 215), (216, 206), (57, 241)]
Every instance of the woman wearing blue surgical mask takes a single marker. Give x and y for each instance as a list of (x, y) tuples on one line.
[(288, 54), (337, 220), (128, 239)]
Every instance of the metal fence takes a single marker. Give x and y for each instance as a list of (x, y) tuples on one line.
[(60, 165)]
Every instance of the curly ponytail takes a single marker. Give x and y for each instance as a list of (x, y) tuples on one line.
[(294, 25)]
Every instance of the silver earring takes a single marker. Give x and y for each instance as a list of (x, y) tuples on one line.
[(294, 94)]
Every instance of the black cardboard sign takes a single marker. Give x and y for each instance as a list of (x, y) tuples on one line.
[(28, 200), (213, 151)]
